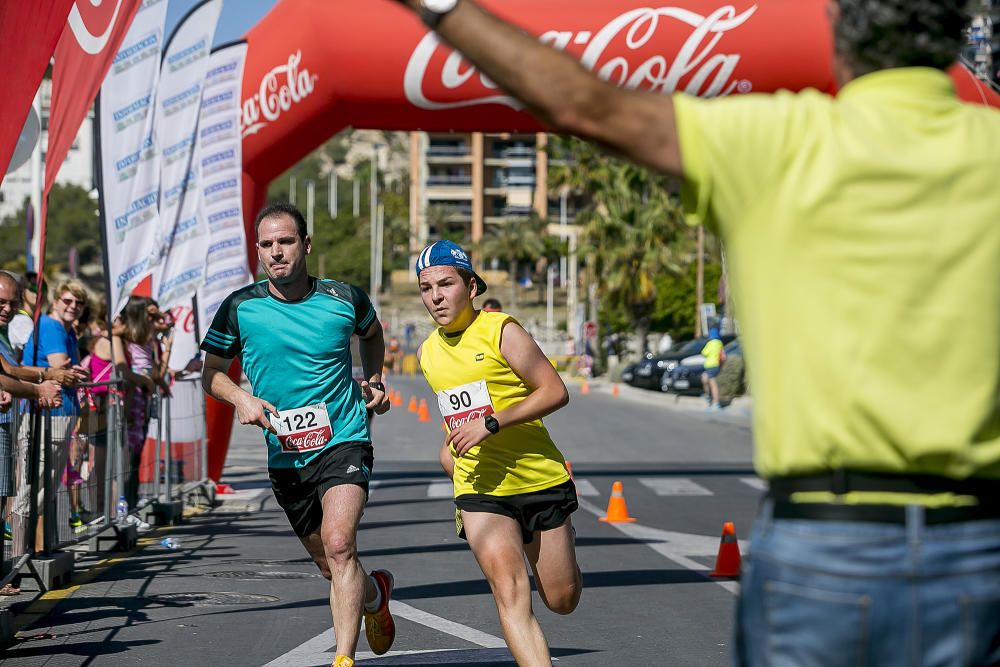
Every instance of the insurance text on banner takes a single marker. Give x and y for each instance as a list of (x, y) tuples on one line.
[(221, 164), (183, 235), (130, 165)]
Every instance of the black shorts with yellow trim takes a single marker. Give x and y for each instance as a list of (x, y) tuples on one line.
[(534, 511), (300, 491)]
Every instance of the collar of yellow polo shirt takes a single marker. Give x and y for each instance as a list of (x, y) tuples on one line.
[(862, 234)]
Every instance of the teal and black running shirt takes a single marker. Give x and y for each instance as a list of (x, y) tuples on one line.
[(298, 354)]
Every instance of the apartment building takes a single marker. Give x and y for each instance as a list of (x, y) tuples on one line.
[(461, 184)]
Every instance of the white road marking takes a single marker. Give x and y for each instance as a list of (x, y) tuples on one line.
[(584, 487), (440, 489), (755, 482), (321, 649), (674, 486), (675, 546)]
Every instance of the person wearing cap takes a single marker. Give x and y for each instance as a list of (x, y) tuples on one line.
[(863, 246), (513, 494), (292, 333), (712, 351)]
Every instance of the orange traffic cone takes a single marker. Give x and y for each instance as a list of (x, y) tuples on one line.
[(444, 427), (412, 407), (617, 509), (614, 390), (728, 562), (423, 415), (397, 398), (585, 388)]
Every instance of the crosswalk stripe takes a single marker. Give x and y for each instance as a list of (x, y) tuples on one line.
[(674, 486), (755, 482), (584, 487), (440, 489)]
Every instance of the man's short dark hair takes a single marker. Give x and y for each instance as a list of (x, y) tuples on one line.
[(874, 35), (278, 209), (492, 303)]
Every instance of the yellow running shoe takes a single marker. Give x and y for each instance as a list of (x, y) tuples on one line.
[(380, 629), (343, 661)]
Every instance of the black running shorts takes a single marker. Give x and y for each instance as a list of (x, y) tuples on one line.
[(538, 510), (299, 491)]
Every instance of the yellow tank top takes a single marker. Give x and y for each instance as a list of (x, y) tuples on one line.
[(472, 379)]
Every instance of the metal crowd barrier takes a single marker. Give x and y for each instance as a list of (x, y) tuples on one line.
[(72, 470)]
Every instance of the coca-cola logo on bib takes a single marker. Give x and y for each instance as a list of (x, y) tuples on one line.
[(280, 88), (307, 441), (433, 80), (462, 418)]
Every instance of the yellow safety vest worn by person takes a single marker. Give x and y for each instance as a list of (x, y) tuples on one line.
[(472, 379), (863, 239), (712, 353)]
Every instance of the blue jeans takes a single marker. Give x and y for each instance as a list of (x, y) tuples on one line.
[(849, 594)]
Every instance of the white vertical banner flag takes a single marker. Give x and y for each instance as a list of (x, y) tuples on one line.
[(130, 165), (221, 165), (183, 235)]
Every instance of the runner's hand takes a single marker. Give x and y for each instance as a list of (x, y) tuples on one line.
[(467, 436), (251, 411), (49, 394), (375, 400)]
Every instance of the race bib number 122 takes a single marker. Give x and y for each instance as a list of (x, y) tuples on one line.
[(303, 429), (463, 404)]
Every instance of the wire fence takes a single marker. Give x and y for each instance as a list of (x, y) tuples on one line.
[(67, 476)]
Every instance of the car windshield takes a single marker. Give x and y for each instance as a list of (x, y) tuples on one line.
[(693, 346)]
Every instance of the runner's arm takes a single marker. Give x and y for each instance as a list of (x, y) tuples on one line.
[(564, 95), (221, 387), (371, 346), (548, 392)]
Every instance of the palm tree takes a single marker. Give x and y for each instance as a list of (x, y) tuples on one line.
[(513, 240)]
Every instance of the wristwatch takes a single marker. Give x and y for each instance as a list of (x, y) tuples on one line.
[(491, 423), (432, 11), (377, 385)]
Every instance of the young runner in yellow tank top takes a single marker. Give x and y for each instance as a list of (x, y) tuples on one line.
[(512, 490)]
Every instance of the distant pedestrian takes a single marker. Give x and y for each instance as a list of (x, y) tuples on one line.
[(712, 351), (492, 306)]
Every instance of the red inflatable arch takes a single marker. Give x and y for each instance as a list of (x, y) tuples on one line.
[(315, 67)]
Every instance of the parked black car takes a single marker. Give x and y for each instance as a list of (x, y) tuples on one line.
[(686, 380), (648, 373)]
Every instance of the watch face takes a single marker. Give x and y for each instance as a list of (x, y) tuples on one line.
[(439, 6)]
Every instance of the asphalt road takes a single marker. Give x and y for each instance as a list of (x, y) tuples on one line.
[(240, 590)]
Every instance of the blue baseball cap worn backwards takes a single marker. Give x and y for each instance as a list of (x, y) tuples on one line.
[(447, 253)]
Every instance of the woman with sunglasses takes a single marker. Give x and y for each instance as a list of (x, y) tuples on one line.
[(57, 348)]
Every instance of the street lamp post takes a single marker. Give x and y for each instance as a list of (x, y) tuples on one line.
[(376, 234)]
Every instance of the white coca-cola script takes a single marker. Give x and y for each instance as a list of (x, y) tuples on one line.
[(711, 74), (454, 421), (305, 442), (280, 88)]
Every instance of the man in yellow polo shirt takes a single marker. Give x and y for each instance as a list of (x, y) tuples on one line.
[(863, 233)]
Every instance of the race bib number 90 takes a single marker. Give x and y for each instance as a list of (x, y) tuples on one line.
[(303, 429), (461, 405)]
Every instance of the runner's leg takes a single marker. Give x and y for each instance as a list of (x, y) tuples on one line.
[(497, 545), (350, 586), (552, 556)]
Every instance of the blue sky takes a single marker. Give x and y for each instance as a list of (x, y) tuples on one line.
[(237, 17)]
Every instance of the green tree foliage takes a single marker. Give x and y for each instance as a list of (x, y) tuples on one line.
[(72, 220), (634, 233), (513, 241)]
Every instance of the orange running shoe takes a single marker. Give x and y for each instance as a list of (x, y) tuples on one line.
[(380, 629)]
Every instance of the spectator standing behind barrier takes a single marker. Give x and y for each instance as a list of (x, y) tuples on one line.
[(57, 348), (492, 305), (23, 323), (135, 364), (48, 394), (712, 351), (864, 249)]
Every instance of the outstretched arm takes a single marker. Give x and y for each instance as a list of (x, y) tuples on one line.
[(563, 94)]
